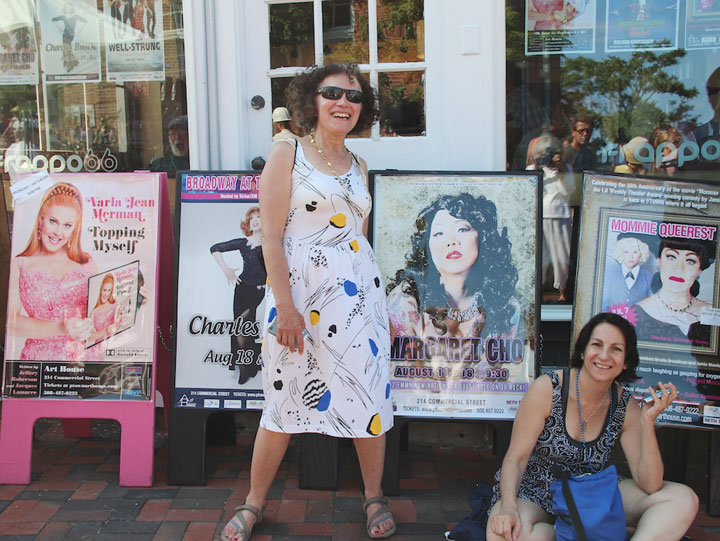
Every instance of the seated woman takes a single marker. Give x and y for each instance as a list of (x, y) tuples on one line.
[(672, 313), (560, 421)]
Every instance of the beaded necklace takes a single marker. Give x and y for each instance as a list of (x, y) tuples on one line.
[(582, 426), (356, 208)]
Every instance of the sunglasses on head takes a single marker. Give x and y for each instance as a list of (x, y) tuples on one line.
[(335, 93)]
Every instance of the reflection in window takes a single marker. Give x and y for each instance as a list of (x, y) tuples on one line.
[(19, 126), (402, 103), (345, 31), (630, 100), (291, 35), (401, 30)]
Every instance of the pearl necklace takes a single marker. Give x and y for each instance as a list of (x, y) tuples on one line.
[(356, 208)]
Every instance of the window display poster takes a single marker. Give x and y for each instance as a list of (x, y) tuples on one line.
[(70, 41), (560, 26), (72, 236), (221, 286), (650, 249), (702, 24), (134, 40), (651, 25), (18, 46), (458, 255)]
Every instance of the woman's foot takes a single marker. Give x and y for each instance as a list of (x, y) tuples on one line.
[(241, 525), (380, 522)]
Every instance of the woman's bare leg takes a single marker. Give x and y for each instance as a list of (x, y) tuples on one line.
[(536, 523), (268, 452), (666, 514), (371, 455)]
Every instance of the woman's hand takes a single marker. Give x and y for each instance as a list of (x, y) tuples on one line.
[(477, 324), (77, 328), (506, 522), (290, 327), (651, 411), (232, 278)]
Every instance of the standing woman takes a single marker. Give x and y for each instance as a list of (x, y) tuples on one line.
[(327, 369), (573, 420)]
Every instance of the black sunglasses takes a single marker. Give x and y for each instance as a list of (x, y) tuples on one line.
[(335, 93)]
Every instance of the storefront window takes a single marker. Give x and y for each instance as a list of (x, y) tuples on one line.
[(92, 85), (346, 37), (608, 85)]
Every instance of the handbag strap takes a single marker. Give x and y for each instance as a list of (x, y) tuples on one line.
[(570, 500)]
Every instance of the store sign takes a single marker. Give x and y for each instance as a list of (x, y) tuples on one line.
[(57, 163), (665, 234), (687, 152), (459, 349)]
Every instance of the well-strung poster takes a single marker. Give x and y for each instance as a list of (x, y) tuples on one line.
[(134, 40), (18, 46), (559, 26), (70, 41), (648, 251), (81, 300), (702, 24), (221, 286), (641, 25), (459, 257)]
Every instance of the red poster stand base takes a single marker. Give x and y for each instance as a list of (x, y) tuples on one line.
[(137, 422)]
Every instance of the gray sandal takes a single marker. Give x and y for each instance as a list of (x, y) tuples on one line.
[(243, 530), (378, 517)]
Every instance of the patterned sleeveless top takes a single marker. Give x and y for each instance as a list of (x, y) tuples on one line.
[(555, 446)]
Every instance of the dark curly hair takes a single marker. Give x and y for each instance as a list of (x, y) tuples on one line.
[(632, 357), (491, 280), (301, 95)]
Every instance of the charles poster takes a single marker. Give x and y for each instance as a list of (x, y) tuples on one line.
[(70, 41), (559, 26), (134, 40), (18, 46), (641, 26), (81, 299), (459, 260), (650, 249), (220, 290)]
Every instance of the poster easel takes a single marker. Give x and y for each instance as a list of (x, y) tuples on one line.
[(135, 207)]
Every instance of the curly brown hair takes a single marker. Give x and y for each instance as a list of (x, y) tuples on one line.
[(301, 96)]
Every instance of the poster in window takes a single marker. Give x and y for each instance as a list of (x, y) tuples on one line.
[(221, 287), (18, 46), (134, 40), (702, 24), (70, 239), (560, 26), (70, 41), (642, 25), (650, 249), (458, 254)]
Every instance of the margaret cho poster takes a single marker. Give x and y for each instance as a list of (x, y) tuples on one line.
[(81, 299), (220, 291), (648, 251), (458, 254)]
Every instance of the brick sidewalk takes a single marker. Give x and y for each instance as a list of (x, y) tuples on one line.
[(74, 494)]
